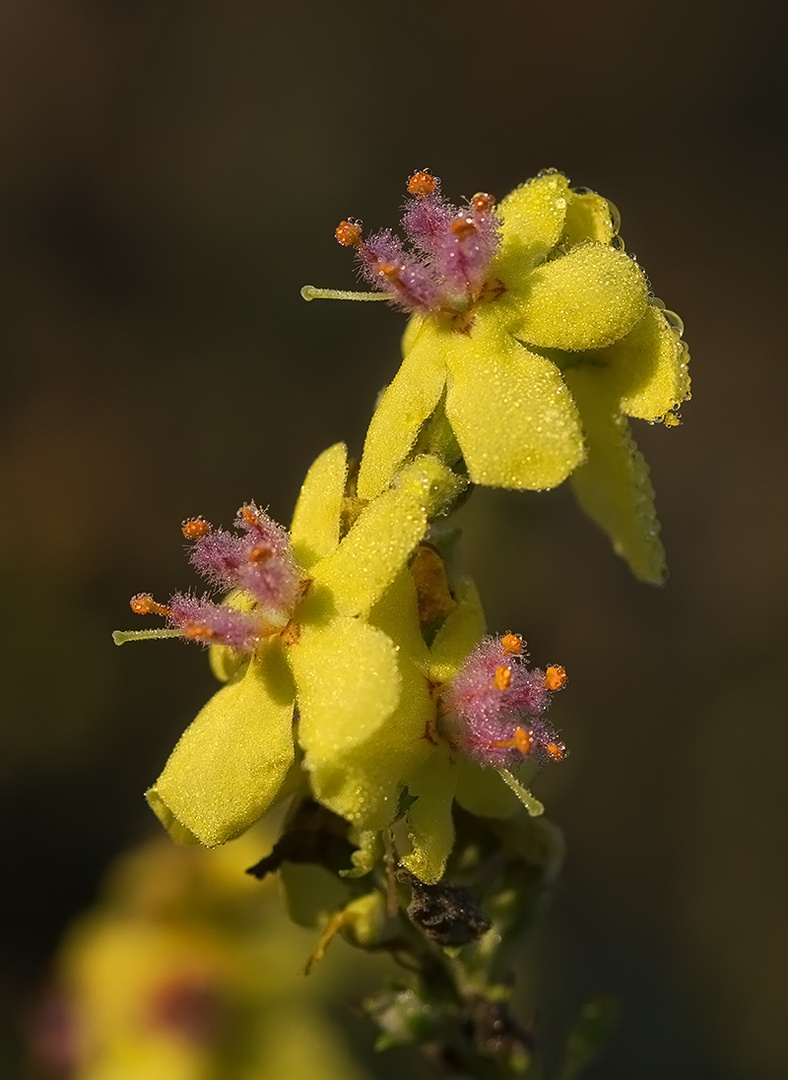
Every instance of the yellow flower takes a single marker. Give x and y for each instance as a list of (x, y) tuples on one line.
[(340, 669), (535, 364)]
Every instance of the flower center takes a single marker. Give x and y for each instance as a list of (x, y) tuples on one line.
[(444, 269)]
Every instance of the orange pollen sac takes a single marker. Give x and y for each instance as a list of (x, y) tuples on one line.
[(348, 233), (386, 270), (512, 644), (555, 677), (502, 677), (463, 228), (422, 183), (144, 604), (521, 740), (482, 203), (555, 751), (202, 633), (194, 528), (249, 516), (260, 554)]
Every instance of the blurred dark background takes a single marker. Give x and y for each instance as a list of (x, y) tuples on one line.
[(171, 173)]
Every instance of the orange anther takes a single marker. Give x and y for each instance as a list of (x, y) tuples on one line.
[(260, 554), (144, 604), (521, 740), (502, 677), (422, 183), (194, 528), (512, 644), (463, 228), (348, 233), (202, 633), (386, 270), (555, 751), (554, 677), (482, 203), (249, 514)]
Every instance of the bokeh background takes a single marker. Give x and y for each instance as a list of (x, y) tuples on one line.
[(171, 173)]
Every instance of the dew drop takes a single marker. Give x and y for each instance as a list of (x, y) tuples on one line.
[(615, 215), (674, 321)]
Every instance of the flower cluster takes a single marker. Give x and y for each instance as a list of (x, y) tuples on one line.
[(356, 667)]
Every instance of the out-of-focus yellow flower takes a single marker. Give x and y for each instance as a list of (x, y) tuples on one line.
[(185, 971)]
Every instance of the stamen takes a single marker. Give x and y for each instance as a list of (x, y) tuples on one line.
[(482, 203), (555, 751), (422, 183), (555, 677), (386, 270), (463, 228), (348, 233), (260, 554), (200, 632), (521, 740), (502, 677), (195, 528), (512, 644), (144, 604)]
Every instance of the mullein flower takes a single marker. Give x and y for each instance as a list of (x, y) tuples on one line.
[(296, 630), (536, 336)]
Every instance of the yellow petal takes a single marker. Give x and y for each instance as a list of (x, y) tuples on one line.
[(613, 487), (510, 409), (348, 685), (588, 217), (649, 368), (397, 615), (533, 218), (430, 824), (384, 534), (231, 761), (365, 709), (461, 632), (403, 408), (315, 528), (586, 299)]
